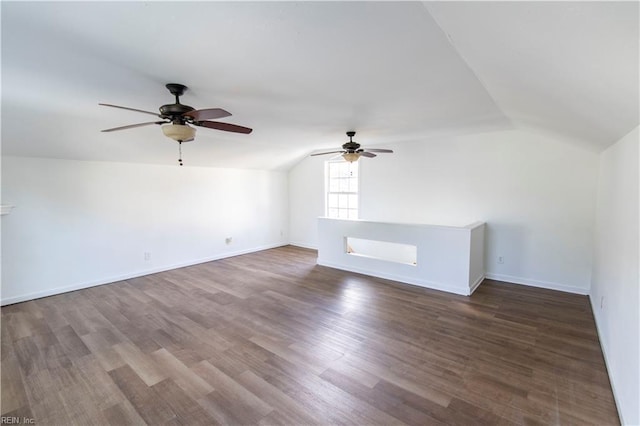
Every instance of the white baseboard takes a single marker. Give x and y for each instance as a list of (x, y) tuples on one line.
[(112, 279), (303, 245), (421, 283), (476, 284), (535, 283), (406, 280), (606, 358)]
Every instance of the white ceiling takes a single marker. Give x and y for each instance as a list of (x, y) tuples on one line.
[(303, 73), (564, 67)]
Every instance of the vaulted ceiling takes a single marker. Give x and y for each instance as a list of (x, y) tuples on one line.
[(303, 73)]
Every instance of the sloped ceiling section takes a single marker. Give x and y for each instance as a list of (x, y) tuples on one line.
[(303, 73), (569, 68)]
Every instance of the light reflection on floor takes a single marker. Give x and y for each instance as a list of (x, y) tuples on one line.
[(355, 296)]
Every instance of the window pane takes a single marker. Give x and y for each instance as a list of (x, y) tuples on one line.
[(353, 201), (342, 187), (345, 169), (354, 169), (333, 200)]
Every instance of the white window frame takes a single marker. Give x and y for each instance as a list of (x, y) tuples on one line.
[(330, 209)]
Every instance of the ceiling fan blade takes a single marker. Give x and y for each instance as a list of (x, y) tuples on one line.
[(379, 150), (367, 154), (131, 126), (328, 152), (132, 109), (207, 114), (227, 127)]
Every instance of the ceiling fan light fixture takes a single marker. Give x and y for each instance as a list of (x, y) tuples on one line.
[(351, 156), (179, 132)]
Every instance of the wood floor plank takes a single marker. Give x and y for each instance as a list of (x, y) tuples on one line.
[(187, 410), (271, 338), (29, 357), (149, 405), (13, 396), (140, 363), (320, 397), (354, 373), (123, 414), (404, 381), (81, 405), (190, 382), (71, 344), (100, 344), (246, 402), (284, 404), (99, 388), (50, 410), (219, 409), (282, 350)]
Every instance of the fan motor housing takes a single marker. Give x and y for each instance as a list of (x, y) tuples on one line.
[(351, 146), (170, 110)]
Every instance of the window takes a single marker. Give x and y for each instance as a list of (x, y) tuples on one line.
[(342, 189)]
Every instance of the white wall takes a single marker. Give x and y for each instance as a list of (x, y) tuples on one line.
[(306, 201), (615, 294), (80, 223), (537, 196)]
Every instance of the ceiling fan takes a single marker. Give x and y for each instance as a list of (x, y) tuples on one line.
[(351, 150), (177, 119)]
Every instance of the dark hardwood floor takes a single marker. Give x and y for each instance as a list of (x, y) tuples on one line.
[(272, 338)]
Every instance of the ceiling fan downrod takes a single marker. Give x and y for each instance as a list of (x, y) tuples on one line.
[(351, 146)]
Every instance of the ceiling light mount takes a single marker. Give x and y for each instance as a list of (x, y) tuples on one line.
[(176, 89)]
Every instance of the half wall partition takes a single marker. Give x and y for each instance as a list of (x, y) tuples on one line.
[(448, 258)]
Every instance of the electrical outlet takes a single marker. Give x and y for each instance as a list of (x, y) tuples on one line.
[(228, 240), (500, 260), (147, 256)]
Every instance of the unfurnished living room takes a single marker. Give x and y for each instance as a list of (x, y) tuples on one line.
[(319, 213)]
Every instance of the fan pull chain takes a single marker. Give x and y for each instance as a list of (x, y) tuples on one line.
[(180, 152)]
